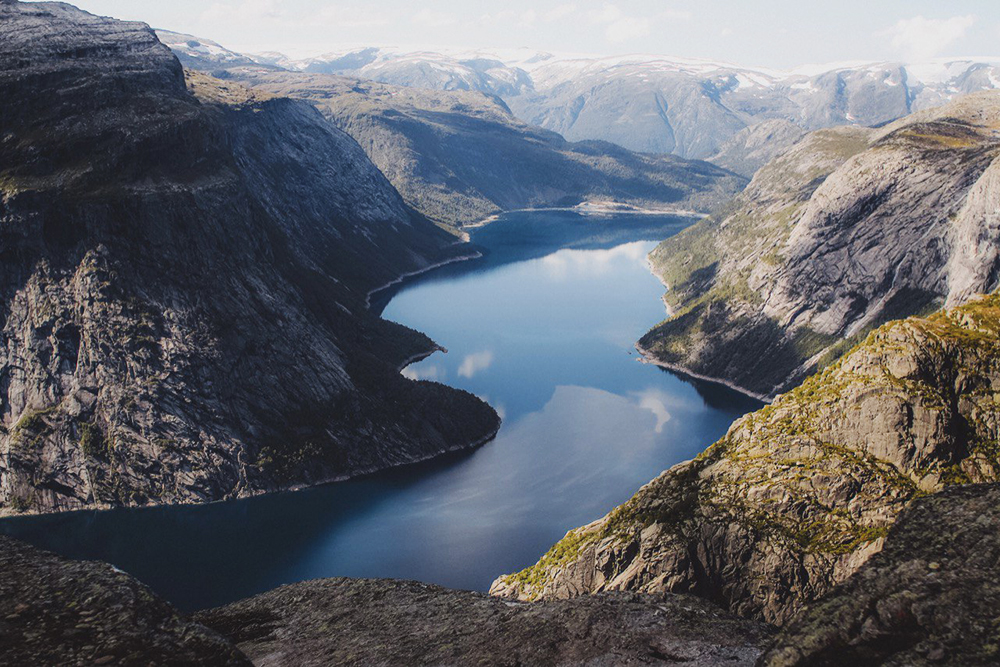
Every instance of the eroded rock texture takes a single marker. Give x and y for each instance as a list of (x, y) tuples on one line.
[(850, 228), (386, 622), (183, 284), (797, 496), (55, 611), (930, 597)]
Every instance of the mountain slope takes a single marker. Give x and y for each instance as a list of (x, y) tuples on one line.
[(850, 228), (686, 106), (753, 147), (799, 494), (929, 598), (184, 283), (459, 157)]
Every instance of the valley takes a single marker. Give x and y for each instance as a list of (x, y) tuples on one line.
[(398, 356), (541, 328)]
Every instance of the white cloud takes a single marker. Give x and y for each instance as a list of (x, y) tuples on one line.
[(618, 26), (350, 17), (431, 19), (247, 11), (559, 12), (675, 15), (726, 32), (474, 363), (650, 401), (920, 38)]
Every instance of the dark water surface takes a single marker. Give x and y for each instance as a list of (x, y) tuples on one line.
[(542, 328)]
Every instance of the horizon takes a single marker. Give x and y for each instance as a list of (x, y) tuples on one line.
[(775, 35)]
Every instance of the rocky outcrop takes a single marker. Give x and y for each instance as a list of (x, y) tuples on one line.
[(848, 229), (183, 284), (386, 622), (459, 157), (929, 598), (55, 611), (754, 146), (798, 495)]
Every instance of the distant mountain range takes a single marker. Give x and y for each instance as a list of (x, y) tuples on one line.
[(655, 104)]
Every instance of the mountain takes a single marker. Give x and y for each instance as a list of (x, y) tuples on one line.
[(459, 157), (184, 283), (753, 147), (797, 496), (200, 53), (660, 104), (692, 107), (850, 228)]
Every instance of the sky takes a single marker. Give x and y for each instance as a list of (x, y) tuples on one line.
[(766, 33)]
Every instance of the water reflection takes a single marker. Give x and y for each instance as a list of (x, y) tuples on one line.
[(546, 337)]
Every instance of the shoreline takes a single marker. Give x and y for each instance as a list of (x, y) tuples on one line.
[(259, 493), (412, 274), (592, 209), (646, 357), (420, 356)]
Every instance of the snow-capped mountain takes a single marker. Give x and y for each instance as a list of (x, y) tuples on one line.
[(658, 104)]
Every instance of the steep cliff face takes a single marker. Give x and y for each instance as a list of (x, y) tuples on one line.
[(930, 597), (754, 146), (850, 228), (184, 280), (798, 495), (460, 156)]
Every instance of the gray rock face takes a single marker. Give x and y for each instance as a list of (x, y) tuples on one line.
[(184, 281), (847, 230), (656, 104), (460, 157), (692, 108), (384, 622), (61, 612), (200, 53), (796, 497), (929, 598), (754, 146)]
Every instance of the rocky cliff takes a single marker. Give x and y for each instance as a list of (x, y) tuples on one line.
[(56, 611), (798, 495), (184, 280), (461, 156), (386, 622), (62, 612), (930, 597), (850, 228), (754, 146)]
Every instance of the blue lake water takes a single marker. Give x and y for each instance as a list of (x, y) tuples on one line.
[(542, 327)]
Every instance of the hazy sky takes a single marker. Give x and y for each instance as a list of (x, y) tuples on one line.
[(774, 33)]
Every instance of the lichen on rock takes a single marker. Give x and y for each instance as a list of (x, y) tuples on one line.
[(799, 494)]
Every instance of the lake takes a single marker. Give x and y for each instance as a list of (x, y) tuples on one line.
[(542, 328)]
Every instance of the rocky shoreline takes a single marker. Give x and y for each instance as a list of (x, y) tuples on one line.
[(929, 598)]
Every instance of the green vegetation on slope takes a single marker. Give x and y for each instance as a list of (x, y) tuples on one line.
[(798, 494)]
